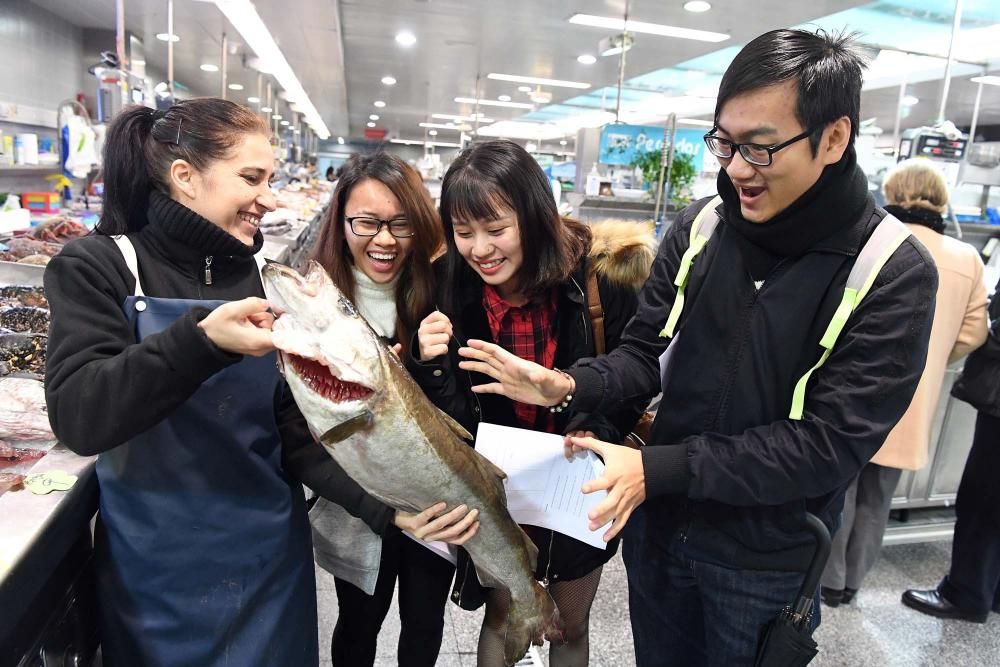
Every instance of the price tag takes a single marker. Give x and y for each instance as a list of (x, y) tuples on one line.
[(45, 482)]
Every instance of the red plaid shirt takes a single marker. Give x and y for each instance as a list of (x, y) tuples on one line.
[(527, 331)]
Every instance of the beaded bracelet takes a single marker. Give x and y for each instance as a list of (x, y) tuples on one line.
[(564, 403)]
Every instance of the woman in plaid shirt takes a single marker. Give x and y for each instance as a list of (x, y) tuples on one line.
[(515, 273)]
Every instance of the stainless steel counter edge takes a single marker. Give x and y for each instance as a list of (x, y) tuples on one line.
[(38, 531)]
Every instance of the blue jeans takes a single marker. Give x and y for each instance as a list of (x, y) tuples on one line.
[(690, 613)]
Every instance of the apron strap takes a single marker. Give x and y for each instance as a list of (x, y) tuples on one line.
[(131, 261)]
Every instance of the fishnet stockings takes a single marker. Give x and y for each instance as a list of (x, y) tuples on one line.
[(574, 599)]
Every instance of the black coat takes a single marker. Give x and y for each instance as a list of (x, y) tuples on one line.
[(102, 388), (559, 557), (979, 384), (726, 468)]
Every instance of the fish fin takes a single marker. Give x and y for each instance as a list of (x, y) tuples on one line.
[(346, 429), (531, 622), (455, 427)]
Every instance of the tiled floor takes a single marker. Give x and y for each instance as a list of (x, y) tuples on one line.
[(874, 630)]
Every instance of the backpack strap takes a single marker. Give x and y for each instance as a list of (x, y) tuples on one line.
[(596, 311), (887, 237), (701, 231)]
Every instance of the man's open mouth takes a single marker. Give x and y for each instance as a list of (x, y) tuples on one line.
[(319, 378)]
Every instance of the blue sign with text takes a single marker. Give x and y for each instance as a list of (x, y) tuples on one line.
[(620, 144)]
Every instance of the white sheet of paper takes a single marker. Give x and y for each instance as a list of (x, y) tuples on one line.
[(543, 488), (442, 549)]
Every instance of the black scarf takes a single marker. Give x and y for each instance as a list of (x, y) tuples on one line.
[(918, 216), (833, 203)]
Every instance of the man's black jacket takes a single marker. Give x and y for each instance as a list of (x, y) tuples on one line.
[(726, 466)]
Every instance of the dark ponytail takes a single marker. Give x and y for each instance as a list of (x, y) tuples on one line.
[(142, 143)]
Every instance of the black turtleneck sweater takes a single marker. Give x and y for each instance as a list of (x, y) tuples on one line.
[(103, 387)]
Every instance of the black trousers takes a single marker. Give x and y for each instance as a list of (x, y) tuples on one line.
[(424, 583), (973, 583)]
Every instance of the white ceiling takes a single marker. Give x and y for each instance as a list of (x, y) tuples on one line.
[(341, 49)]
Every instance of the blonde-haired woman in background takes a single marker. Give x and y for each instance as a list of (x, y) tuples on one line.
[(916, 193)]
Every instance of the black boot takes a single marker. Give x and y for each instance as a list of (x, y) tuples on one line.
[(849, 594), (831, 597)]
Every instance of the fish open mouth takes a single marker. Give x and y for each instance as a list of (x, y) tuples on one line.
[(319, 378)]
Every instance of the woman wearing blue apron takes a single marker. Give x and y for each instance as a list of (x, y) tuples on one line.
[(160, 361)]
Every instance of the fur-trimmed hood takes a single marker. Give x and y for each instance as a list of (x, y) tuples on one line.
[(622, 251)]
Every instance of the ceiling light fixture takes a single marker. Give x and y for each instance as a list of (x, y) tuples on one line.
[(340, 140), (253, 100), (991, 80), (563, 142), (910, 100), (373, 116), (468, 119), (433, 133), (446, 126), (504, 98), (418, 142), (244, 17), (615, 44), (697, 122), (266, 109), (557, 83), (285, 123), (209, 67), (647, 28), (276, 116), (167, 37), (492, 103), (379, 104), (586, 59), (389, 80), (236, 86), (405, 38), (524, 89), (697, 6), (371, 124)]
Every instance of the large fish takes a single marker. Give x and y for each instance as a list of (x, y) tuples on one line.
[(371, 416)]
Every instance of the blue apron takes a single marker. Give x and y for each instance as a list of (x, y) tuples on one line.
[(202, 545)]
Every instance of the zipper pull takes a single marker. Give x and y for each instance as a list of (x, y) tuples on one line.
[(208, 270)]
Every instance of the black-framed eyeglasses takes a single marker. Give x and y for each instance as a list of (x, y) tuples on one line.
[(363, 225), (755, 154)]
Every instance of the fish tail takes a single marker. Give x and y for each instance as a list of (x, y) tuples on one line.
[(531, 622)]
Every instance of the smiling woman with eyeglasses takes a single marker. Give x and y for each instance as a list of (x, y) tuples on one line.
[(376, 242)]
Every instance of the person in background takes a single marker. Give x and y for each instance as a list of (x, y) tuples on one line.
[(916, 193), (160, 361), (715, 505), (516, 273), (376, 242), (331, 175), (972, 586)]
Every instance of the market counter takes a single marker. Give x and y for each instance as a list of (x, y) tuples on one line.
[(47, 609)]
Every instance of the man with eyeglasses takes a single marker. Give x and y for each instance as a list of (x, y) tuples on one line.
[(716, 542)]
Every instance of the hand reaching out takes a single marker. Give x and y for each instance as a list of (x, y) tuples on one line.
[(516, 378)]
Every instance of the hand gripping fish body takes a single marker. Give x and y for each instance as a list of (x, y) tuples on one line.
[(374, 420)]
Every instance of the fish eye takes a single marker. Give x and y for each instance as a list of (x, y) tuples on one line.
[(347, 308)]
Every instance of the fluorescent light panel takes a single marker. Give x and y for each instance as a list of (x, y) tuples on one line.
[(647, 28), (494, 103), (465, 119), (991, 80), (556, 83), (244, 17), (446, 126), (415, 142)]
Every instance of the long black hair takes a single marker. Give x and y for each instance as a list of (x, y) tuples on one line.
[(826, 69), (490, 177), (415, 287), (142, 143)]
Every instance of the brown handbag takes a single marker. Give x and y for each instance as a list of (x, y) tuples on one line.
[(639, 435)]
